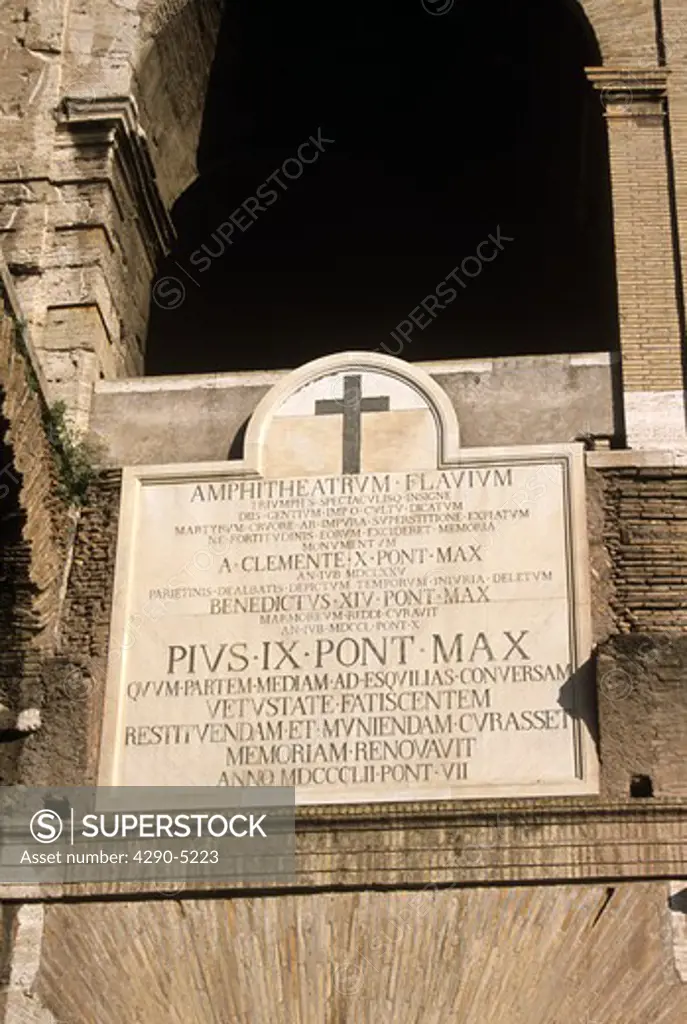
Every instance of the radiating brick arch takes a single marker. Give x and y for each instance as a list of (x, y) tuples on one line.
[(430, 956), (625, 31)]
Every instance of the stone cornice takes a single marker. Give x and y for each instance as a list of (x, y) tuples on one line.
[(113, 122), (541, 842), (631, 92)]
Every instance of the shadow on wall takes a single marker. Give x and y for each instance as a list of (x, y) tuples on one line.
[(236, 449), (578, 697)]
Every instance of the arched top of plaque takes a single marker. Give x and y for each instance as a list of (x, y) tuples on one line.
[(354, 412)]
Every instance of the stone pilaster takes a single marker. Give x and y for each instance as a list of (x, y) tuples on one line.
[(645, 243), (673, 30), (107, 227)]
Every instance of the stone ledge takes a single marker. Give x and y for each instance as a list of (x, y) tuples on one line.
[(399, 846), (247, 378), (636, 459)]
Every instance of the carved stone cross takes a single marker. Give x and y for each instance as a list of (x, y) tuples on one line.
[(351, 407)]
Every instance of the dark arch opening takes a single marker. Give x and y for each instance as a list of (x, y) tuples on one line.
[(447, 130)]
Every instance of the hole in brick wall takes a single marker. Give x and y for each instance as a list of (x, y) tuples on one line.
[(641, 787), (678, 902), (11, 735)]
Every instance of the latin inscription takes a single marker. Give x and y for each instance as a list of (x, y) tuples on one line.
[(374, 636)]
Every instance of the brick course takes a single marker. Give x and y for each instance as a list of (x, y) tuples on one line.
[(645, 533)]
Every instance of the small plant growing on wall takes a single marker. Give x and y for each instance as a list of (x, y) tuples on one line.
[(77, 458)]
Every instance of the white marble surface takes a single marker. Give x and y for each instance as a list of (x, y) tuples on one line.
[(412, 631)]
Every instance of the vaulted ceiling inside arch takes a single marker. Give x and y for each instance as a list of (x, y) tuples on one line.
[(177, 44)]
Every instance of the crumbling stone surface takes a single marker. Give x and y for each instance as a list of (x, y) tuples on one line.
[(643, 715), (101, 106)]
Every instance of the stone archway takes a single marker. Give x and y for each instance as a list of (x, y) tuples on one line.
[(84, 280), (626, 40), (425, 158), (547, 954)]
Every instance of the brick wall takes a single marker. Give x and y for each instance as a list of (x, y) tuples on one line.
[(64, 751), (645, 266), (642, 652), (34, 536), (645, 534)]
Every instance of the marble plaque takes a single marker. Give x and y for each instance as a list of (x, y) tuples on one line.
[(360, 608)]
